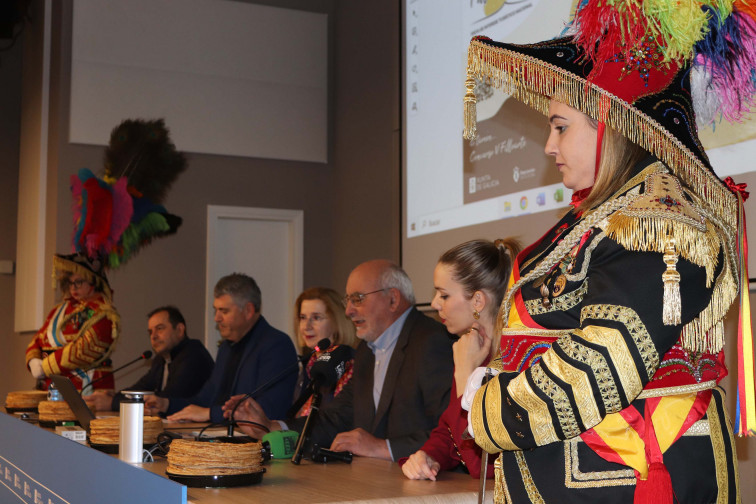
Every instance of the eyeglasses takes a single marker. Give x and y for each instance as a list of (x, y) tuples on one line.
[(315, 318), (358, 298), (78, 283)]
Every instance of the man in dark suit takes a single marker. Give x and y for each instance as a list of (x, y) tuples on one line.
[(403, 371), (251, 354), (180, 367)]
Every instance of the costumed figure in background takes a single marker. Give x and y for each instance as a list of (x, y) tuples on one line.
[(114, 216), (319, 314), (612, 332), (470, 280)]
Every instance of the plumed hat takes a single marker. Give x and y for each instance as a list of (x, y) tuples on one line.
[(117, 214)]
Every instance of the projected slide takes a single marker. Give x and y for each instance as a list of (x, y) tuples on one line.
[(503, 173), (452, 183)]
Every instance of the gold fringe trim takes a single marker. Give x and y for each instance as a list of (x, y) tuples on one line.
[(534, 82), (651, 234), (705, 333), (471, 111), (671, 278)]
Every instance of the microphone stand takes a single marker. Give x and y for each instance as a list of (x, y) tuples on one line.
[(315, 406), (259, 389), (145, 355), (322, 344)]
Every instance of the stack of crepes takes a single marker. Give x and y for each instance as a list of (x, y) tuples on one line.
[(55, 411), (25, 400), (107, 431), (202, 458)]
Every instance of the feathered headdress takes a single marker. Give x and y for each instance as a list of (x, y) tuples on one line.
[(116, 215), (649, 69)]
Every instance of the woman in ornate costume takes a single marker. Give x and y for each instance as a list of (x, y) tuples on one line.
[(470, 280), (319, 314), (612, 333), (78, 333), (115, 216)]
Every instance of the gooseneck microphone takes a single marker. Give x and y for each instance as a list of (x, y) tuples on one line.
[(145, 355), (322, 345)]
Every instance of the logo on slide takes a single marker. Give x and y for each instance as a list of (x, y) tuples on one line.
[(524, 202), (559, 195), (471, 185), (541, 199), (516, 174), (507, 206)]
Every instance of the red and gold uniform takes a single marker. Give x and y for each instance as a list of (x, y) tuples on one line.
[(76, 338)]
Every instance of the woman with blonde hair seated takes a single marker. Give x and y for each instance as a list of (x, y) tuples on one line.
[(320, 314)]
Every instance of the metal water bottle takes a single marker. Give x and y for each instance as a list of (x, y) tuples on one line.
[(130, 443)]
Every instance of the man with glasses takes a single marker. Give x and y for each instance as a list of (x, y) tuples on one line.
[(402, 377)]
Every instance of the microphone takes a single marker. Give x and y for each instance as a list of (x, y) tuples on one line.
[(321, 369), (329, 367), (145, 355), (322, 344), (322, 455), (325, 372)]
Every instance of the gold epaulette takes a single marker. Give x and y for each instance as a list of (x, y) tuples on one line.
[(667, 219)]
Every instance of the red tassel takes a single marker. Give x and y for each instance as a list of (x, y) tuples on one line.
[(657, 488)]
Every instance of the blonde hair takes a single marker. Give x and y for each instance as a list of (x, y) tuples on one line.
[(618, 158), (482, 265), (344, 333)]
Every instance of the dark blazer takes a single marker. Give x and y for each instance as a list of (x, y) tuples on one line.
[(415, 392), (268, 353), (189, 369)]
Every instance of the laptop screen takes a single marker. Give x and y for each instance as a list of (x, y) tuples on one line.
[(80, 409)]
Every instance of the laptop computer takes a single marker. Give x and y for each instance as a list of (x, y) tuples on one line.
[(77, 404)]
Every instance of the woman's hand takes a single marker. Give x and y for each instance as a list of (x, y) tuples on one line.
[(470, 351), (420, 465)]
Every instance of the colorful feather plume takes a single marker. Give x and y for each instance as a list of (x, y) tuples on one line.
[(116, 215), (716, 37)]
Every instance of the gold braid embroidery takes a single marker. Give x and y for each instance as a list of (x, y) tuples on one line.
[(493, 408), (638, 332), (541, 423), (560, 399), (598, 364), (580, 384), (559, 303), (527, 480), (580, 275), (620, 357), (527, 331), (718, 449), (575, 478)]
